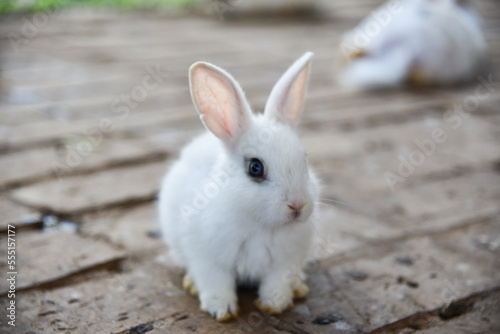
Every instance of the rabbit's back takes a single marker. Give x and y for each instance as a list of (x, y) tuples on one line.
[(177, 190)]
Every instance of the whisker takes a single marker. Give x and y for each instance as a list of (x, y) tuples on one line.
[(335, 201)]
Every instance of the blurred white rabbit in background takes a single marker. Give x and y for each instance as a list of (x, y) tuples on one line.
[(414, 41)]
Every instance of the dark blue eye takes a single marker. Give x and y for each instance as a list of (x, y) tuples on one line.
[(256, 168)]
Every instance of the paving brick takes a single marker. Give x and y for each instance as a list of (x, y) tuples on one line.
[(36, 251), (65, 73), (101, 93), (482, 99), (480, 316), (50, 131), (135, 230), (356, 163), (342, 230), (457, 198), (45, 131), (419, 274), (75, 154), (106, 152), (17, 115), (325, 309), (88, 192), (15, 214), (26, 165)]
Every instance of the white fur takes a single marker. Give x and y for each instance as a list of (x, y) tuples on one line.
[(441, 39), (244, 231)]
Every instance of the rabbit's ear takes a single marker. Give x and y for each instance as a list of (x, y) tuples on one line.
[(220, 101), (286, 100)]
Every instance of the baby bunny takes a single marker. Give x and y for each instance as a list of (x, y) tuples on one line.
[(238, 205), (417, 41)]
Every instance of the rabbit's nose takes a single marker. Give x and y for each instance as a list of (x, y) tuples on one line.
[(296, 208)]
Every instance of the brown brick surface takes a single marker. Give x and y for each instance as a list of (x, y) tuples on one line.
[(76, 194)]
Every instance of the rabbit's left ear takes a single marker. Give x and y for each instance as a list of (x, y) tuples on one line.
[(220, 101), (287, 97)]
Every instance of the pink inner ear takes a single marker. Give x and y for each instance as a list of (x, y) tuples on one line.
[(216, 101), (287, 96), (295, 97)]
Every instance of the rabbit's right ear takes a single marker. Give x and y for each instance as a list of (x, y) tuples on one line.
[(287, 97), (220, 101)]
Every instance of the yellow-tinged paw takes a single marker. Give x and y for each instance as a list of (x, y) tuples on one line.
[(358, 53), (353, 55), (269, 309), (188, 285), (228, 316), (187, 282), (237, 313), (417, 77), (225, 317), (193, 291), (301, 291), (265, 308)]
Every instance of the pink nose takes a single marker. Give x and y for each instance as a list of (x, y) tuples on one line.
[(296, 208)]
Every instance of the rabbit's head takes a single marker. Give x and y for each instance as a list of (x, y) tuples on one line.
[(270, 177)]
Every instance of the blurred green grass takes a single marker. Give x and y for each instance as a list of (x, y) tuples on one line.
[(10, 6)]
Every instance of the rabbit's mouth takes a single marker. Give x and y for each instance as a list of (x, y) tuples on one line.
[(296, 214), (297, 211), (296, 217)]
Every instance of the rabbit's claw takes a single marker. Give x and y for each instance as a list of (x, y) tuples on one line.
[(228, 316), (188, 285), (222, 308), (268, 309), (417, 77), (301, 291)]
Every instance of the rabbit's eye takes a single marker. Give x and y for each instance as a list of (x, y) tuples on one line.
[(256, 168)]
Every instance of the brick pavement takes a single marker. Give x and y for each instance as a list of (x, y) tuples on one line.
[(424, 258)]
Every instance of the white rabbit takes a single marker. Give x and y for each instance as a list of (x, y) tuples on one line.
[(237, 207), (416, 41)]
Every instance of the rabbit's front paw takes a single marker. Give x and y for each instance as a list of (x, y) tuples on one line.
[(275, 303), (300, 291), (189, 286), (221, 305), (273, 308)]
